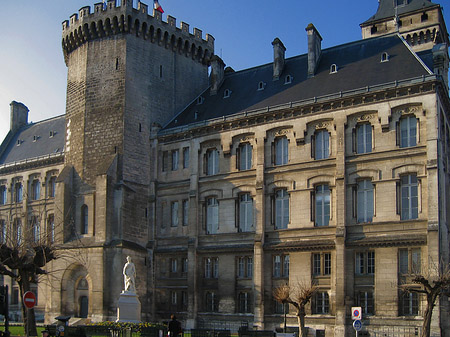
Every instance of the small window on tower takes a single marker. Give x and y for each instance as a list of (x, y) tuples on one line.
[(288, 79), (384, 57), (424, 17), (227, 93), (373, 30), (200, 100), (333, 69), (261, 85)]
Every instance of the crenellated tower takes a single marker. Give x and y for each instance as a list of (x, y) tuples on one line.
[(126, 70)]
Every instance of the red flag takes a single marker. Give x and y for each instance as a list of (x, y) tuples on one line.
[(158, 6)]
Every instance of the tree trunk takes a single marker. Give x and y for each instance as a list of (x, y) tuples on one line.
[(29, 318), (426, 327), (301, 324)]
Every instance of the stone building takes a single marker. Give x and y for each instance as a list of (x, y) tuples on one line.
[(330, 167)]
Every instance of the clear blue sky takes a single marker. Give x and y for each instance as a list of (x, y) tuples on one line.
[(32, 69)]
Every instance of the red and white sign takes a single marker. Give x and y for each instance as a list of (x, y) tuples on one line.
[(356, 313), (29, 300)]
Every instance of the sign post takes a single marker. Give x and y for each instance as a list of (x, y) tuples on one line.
[(356, 317)]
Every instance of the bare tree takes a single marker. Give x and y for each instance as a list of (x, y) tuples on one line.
[(432, 284), (298, 296)]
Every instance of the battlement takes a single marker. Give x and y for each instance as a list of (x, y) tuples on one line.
[(112, 19)]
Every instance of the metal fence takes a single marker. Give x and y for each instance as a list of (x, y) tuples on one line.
[(391, 331)]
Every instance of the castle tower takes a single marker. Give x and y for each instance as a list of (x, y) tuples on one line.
[(126, 70), (420, 22)]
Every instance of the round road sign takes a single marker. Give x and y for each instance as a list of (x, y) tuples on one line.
[(29, 300), (357, 325)]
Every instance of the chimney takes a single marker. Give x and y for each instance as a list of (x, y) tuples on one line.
[(217, 74), (440, 61), (314, 49), (278, 58), (19, 115)]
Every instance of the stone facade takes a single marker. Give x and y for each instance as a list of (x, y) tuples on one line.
[(347, 190)]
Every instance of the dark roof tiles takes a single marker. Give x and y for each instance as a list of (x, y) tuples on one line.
[(36, 141), (358, 65)]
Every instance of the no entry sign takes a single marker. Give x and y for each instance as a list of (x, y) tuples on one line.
[(29, 300)]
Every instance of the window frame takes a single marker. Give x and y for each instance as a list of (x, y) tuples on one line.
[(411, 138), (363, 138), (321, 303), (405, 202), (212, 215), (245, 213), (280, 266), (321, 146), (244, 156), (364, 207), (321, 204), (281, 151), (365, 263), (174, 218), (212, 162), (321, 264), (281, 209), (175, 155), (186, 158)]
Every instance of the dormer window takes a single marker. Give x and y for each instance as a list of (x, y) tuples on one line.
[(333, 69), (52, 134), (196, 115), (384, 57), (373, 30), (288, 79), (19, 142), (227, 93), (261, 85), (200, 100), (35, 138)]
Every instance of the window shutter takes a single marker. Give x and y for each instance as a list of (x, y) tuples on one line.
[(204, 216), (272, 209), (238, 158), (205, 162), (397, 134), (313, 206), (354, 201), (236, 213), (272, 152), (313, 146), (398, 197), (354, 140)]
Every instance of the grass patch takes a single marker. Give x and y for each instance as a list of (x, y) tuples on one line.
[(18, 330)]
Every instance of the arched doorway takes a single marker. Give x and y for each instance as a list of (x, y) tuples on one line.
[(84, 307), (76, 288)]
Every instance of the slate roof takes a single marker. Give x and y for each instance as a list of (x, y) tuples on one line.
[(30, 147), (359, 65), (386, 9)]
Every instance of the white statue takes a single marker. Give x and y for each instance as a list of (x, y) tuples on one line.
[(129, 275)]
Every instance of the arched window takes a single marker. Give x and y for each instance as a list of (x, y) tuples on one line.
[(261, 85), (212, 216), (84, 219), (384, 57), (288, 79)]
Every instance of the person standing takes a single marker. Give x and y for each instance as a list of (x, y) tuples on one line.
[(174, 326)]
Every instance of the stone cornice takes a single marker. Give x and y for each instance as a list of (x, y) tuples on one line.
[(291, 110)]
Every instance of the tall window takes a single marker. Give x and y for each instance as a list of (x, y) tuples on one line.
[(211, 267), (165, 161), (409, 200), (365, 263), (321, 303), (84, 219), (245, 213), (175, 159), (3, 233), (281, 150), (185, 157), (408, 131), (281, 266), (409, 304), (35, 227), (173, 266), (244, 302), (184, 265), (321, 205), (321, 144), (3, 194), (52, 187), (17, 231), (281, 209), (185, 212), (409, 261), (18, 192), (364, 138), (364, 299), (174, 213), (212, 162), (245, 267), (365, 201), (244, 156), (51, 228), (212, 216), (212, 302), (35, 189), (321, 264)]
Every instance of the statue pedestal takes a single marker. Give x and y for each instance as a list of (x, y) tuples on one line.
[(128, 308)]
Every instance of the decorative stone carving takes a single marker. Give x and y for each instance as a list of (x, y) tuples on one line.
[(129, 276)]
